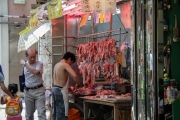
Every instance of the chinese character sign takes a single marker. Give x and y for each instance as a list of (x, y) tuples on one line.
[(110, 6), (99, 6), (87, 6)]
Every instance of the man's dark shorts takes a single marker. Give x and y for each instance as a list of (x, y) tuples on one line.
[(58, 108)]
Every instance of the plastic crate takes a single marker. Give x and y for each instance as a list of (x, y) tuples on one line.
[(74, 114)]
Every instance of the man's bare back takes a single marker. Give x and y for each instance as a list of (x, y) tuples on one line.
[(61, 73)]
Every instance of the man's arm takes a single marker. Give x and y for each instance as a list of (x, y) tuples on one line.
[(37, 70), (72, 73), (4, 88)]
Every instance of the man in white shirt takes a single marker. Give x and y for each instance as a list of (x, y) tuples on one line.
[(34, 93)]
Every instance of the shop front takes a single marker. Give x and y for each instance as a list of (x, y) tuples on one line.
[(144, 88), (101, 39)]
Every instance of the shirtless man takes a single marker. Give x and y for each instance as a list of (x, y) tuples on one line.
[(60, 101)]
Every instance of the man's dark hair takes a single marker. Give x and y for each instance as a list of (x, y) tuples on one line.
[(13, 88), (70, 55)]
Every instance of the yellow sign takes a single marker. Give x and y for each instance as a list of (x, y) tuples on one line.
[(55, 9), (34, 11), (101, 18), (33, 21)]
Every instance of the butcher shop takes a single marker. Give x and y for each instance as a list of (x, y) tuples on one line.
[(100, 34)]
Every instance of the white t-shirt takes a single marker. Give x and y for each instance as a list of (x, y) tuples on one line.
[(32, 80)]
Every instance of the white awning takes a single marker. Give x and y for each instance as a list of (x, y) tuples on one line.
[(26, 40)]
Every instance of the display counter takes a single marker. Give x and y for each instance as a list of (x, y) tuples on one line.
[(115, 103)]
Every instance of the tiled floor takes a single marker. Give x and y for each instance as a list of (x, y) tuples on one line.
[(3, 114)]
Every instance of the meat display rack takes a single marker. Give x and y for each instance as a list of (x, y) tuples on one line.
[(105, 34)]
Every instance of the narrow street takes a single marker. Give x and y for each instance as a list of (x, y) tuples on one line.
[(3, 114)]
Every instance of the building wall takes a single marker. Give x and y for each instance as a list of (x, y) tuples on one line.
[(15, 69), (19, 10)]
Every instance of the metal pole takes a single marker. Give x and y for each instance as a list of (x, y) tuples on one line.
[(101, 33), (65, 33), (120, 37), (14, 16), (92, 19), (111, 22), (14, 23)]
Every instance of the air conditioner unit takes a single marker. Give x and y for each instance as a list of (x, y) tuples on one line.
[(19, 1)]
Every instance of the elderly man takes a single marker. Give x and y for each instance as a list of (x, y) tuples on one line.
[(34, 93)]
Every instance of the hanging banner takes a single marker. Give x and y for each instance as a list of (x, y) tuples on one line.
[(97, 18), (110, 6), (99, 6), (94, 14), (87, 6), (54, 9), (40, 13), (33, 21), (101, 18), (125, 9), (81, 21), (107, 17), (84, 19)]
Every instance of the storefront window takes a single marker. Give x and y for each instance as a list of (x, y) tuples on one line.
[(149, 64), (140, 60), (144, 59)]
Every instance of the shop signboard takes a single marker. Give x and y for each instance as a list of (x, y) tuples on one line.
[(87, 6), (99, 6), (110, 6), (104, 6)]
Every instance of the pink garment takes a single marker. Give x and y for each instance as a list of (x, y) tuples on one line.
[(14, 118)]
